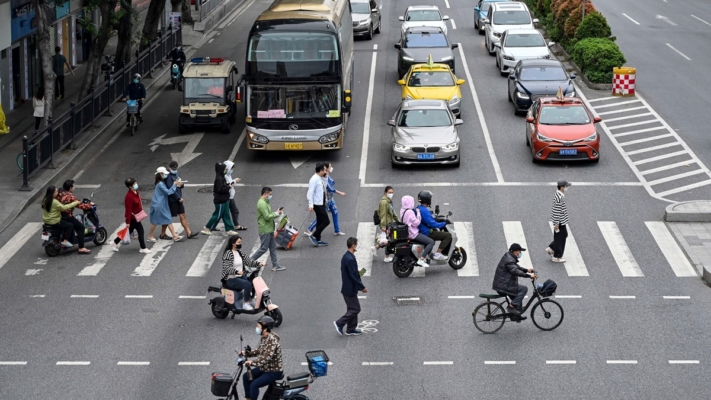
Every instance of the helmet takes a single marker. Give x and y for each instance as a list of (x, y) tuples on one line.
[(425, 196), (266, 321), (136, 76)]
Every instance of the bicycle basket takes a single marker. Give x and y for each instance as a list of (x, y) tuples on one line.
[(132, 106), (318, 362), (548, 289)]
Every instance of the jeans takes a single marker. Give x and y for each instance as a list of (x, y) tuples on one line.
[(558, 243), (520, 294), (445, 239), (78, 228), (429, 243), (240, 284), (321, 221), (138, 227), (66, 230), (259, 379), (234, 212), (59, 85), (37, 122), (350, 318), (267, 242), (222, 211), (330, 206)]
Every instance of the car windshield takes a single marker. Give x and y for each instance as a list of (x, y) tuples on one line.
[(564, 115), (511, 18), (205, 89), (424, 118), (431, 78), (543, 74), (423, 15), (524, 40), (360, 8), (415, 40)]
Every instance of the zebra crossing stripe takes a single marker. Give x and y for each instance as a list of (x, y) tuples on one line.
[(513, 231), (618, 247), (206, 257), (150, 261), (674, 255), (17, 241), (574, 264), (366, 238), (102, 258), (465, 238)]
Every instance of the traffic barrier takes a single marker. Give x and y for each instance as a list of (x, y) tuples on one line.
[(623, 81)]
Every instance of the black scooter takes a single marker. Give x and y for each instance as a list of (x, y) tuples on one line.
[(93, 231)]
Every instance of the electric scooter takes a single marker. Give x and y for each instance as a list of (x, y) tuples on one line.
[(93, 231)]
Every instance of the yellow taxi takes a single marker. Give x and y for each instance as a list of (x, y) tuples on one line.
[(433, 81)]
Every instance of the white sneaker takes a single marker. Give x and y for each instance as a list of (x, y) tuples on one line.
[(232, 233), (114, 246), (145, 251), (339, 234), (374, 251), (308, 233), (558, 260), (550, 251), (247, 307), (439, 257), (422, 263), (389, 258)]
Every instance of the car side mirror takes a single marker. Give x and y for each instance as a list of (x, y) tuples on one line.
[(551, 44), (455, 46), (476, 8), (374, 10), (461, 81), (397, 46), (529, 120), (573, 76), (596, 119), (400, 18), (512, 76), (458, 122), (486, 21), (391, 122), (445, 18), (535, 20), (497, 44), (401, 82)]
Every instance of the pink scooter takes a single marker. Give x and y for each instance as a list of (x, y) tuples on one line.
[(232, 301)]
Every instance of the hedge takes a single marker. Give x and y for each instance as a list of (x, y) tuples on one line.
[(596, 57), (574, 19), (593, 26)]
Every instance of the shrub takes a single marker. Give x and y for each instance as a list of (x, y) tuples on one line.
[(553, 32), (593, 26), (563, 12), (574, 19), (596, 58)]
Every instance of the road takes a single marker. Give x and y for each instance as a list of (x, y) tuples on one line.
[(139, 327)]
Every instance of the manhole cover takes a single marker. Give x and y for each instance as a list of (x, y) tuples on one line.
[(409, 300), (205, 190)]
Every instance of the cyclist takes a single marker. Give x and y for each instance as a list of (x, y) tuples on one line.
[(268, 366), (429, 224), (506, 279), (135, 91)]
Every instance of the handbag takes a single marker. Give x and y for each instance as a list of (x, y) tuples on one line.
[(140, 216)]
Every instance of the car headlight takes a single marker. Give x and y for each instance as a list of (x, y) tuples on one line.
[(454, 100), (406, 58), (329, 137), (364, 22), (258, 138), (496, 34), (408, 97), (542, 138), (591, 138), (507, 57), (522, 96), (400, 147), (446, 58), (571, 94), (450, 147)]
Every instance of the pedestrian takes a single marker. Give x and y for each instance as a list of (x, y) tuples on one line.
[(38, 106), (559, 217), (330, 202), (221, 199), (410, 216), (176, 202), (160, 210), (506, 279), (386, 215), (265, 220), (235, 268), (133, 214), (350, 285), (316, 197), (66, 196), (58, 63), (234, 211), (51, 215)]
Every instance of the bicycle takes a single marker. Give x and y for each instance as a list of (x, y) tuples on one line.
[(19, 159), (132, 111), (489, 316)]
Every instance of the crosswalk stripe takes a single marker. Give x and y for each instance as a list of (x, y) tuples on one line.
[(102, 258), (618, 247), (574, 264), (207, 255), (513, 231), (465, 239), (366, 238), (17, 241), (150, 261), (671, 250)]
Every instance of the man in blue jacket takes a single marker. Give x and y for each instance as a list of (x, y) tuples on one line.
[(350, 287), (428, 225)]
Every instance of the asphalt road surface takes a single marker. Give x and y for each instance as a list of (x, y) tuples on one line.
[(132, 326)]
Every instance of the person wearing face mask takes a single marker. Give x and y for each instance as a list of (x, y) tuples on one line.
[(235, 266), (176, 203), (234, 211), (160, 210), (135, 91), (133, 207), (221, 198), (330, 202), (316, 196), (506, 279), (268, 367), (177, 56), (386, 215), (351, 284), (265, 220)]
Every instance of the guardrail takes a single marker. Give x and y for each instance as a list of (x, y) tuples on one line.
[(38, 151), (207, 7)]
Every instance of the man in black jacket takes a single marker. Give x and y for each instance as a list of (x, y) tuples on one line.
[(221, 198), (135, 91), (506, 278), (349, 288)]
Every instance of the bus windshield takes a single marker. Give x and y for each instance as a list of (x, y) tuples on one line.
[(294, 101), (293, 54)]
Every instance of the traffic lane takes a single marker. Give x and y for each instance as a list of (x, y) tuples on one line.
[(651, 13)]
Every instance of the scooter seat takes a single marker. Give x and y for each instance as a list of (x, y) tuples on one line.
[(491, 295), (295, 377)]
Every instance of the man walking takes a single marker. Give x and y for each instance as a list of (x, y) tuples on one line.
[(316, 197), (176, 204), (349, 288), (559, 217), (265, 220), (58, 63)]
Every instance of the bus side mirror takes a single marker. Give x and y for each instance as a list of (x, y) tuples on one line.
[(347, 100)]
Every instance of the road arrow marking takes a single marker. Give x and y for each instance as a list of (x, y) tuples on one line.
[(187, 154), (298, 159), (665, 19)]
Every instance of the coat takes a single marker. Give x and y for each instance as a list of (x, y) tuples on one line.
[(506, 275), (386, 212), (265, 216), (38, 106), (160, 210), (351, 283), (410, 216), (220, 189)]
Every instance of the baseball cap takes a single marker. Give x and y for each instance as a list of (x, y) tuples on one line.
[(516, 247), (564, 183), (173, 165), (162, 170)]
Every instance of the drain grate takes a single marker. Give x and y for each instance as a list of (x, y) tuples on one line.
[(409, 300), (205, 190)]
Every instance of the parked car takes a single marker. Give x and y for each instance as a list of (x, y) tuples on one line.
[(531, 79), (480, 11)]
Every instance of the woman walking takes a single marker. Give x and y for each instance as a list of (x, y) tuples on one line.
[(52, 215), (134, 214), (386, 214), (221, 198), (330, 202), (38, 106), (160, 209), (235, 266)]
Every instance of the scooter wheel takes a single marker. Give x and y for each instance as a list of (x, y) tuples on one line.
[(51, 249), (219, 313), (276, 315), (401, 268), (458, 258), (101, 236)]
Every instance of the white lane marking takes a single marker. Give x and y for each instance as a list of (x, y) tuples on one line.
[(684, 362), (568, 296), (446, 2), (671, 250), (87, 186), (454, 26), (622, 297), (676, 177), (554, 362), (621, 103), (238, 11), (513, 232), (18, 241), (102, 258), (368, 110), (138, 296), (438, 363), (619, 111), (499, 362), (685, 188), (661, 157), (193, 363), (574, 264), (192, 297), (630, 18), (622, 361), (366, 238), (150, 261), (362, 297), (480, 115), (37, 295), (376, 363), (237, 145), (677, 297), (665, 19), (694, 16), (461, 297), (678, 52), (207, 256), (409, 298), (650, 121), (495, 184), (647, 139), (634, 132), (626, 117), (211, 40), (604, 99), (653, 148), (73, 362), (84, 296), (13, 362), (668, 167), (134, 363), (31, 272), (618, 247), (465, 240), (263, 258), (41, 261)]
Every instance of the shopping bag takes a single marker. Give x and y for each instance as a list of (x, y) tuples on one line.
[(126, 240), (123, 233), (382, 238)]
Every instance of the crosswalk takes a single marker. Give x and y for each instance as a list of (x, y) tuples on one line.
[(513, 232)]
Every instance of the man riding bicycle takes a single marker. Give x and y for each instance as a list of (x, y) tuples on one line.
[(135, 91), (429, 224), (268, 366), (506, 279)]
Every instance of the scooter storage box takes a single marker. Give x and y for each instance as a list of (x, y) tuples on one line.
[(298, 380), (274, 392), (402, 249), (397, 231), (221, 382)]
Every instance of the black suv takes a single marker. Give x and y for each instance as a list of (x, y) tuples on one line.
[(418, 43)]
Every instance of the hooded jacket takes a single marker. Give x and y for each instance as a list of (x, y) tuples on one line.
[(220, 190), (506, 275), (428, 221), (410, 216), (228, 177)]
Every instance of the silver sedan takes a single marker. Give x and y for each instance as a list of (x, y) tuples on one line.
[(425, 132)]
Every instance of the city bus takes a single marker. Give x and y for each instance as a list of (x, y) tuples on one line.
[(298, 76)]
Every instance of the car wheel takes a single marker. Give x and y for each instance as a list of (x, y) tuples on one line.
[(181, 128), (528, 140), (491, 49), (498, 65), (380, 23), (509, 95), (369, 36), (481, 32)]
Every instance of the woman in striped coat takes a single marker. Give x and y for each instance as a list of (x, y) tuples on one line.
[(235, 267)]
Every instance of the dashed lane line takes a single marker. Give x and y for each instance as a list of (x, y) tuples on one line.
[(84, 296), (193, 363), (13, 362), (438, 363), (678, 52), (192, 297), (461, 297), (622, 361), (133, 363), (676, 297), (684, 362), (499, 362), (73, 363), (138, 296), (39, 296), (454, 26), (630, 18), (560, 362), (568, 296), (694, 16), (377, 363), (622, 297)]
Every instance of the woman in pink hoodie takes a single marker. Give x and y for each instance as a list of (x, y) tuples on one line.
[(410, 216)]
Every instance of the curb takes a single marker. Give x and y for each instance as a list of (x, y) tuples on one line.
[(706, 275), (688, 211)]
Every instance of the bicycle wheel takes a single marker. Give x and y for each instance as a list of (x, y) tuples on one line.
[(489, 317), (19, 162), (547, 315), (133, 124)]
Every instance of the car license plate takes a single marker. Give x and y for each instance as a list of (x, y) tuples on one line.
[(568, 152), (45, 237), (425, 156), (293, 146)]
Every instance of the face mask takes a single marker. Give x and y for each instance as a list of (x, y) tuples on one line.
[(179, 48), (355, 249), (330, 170), (390, 195), (135, 186), (239, 246), (135, 81), (257, 331), (269, 197), (162, 175), (174, 171)]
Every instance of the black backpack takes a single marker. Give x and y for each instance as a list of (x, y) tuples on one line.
[(548, 289), (376, 218)]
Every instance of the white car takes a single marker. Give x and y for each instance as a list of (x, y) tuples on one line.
[(520, 44), (423, 16), (502, 17)]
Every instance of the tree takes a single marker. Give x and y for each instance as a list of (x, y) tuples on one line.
[(126, 16), (107, 9), (187, 16), (150, 26), (45, 51)]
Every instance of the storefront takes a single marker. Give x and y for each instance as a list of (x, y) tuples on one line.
[(5, 54)]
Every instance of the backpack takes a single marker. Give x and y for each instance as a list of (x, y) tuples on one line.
[(548, 289), (376, 218)]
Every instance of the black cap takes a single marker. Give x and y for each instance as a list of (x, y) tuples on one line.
[(564, 183), (173, 165), (516, 247)]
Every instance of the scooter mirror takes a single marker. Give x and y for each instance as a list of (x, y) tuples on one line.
[(437, 209), (449, 214), (92, 195)]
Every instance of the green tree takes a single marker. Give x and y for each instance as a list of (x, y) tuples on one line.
[(594, 25), (45, 51), (99, 39)]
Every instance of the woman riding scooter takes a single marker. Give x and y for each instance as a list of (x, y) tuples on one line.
[(268, 366), (52, 209), (410, 216), (234, 275)]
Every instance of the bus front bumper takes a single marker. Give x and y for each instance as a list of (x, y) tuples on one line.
[(320, 139)]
